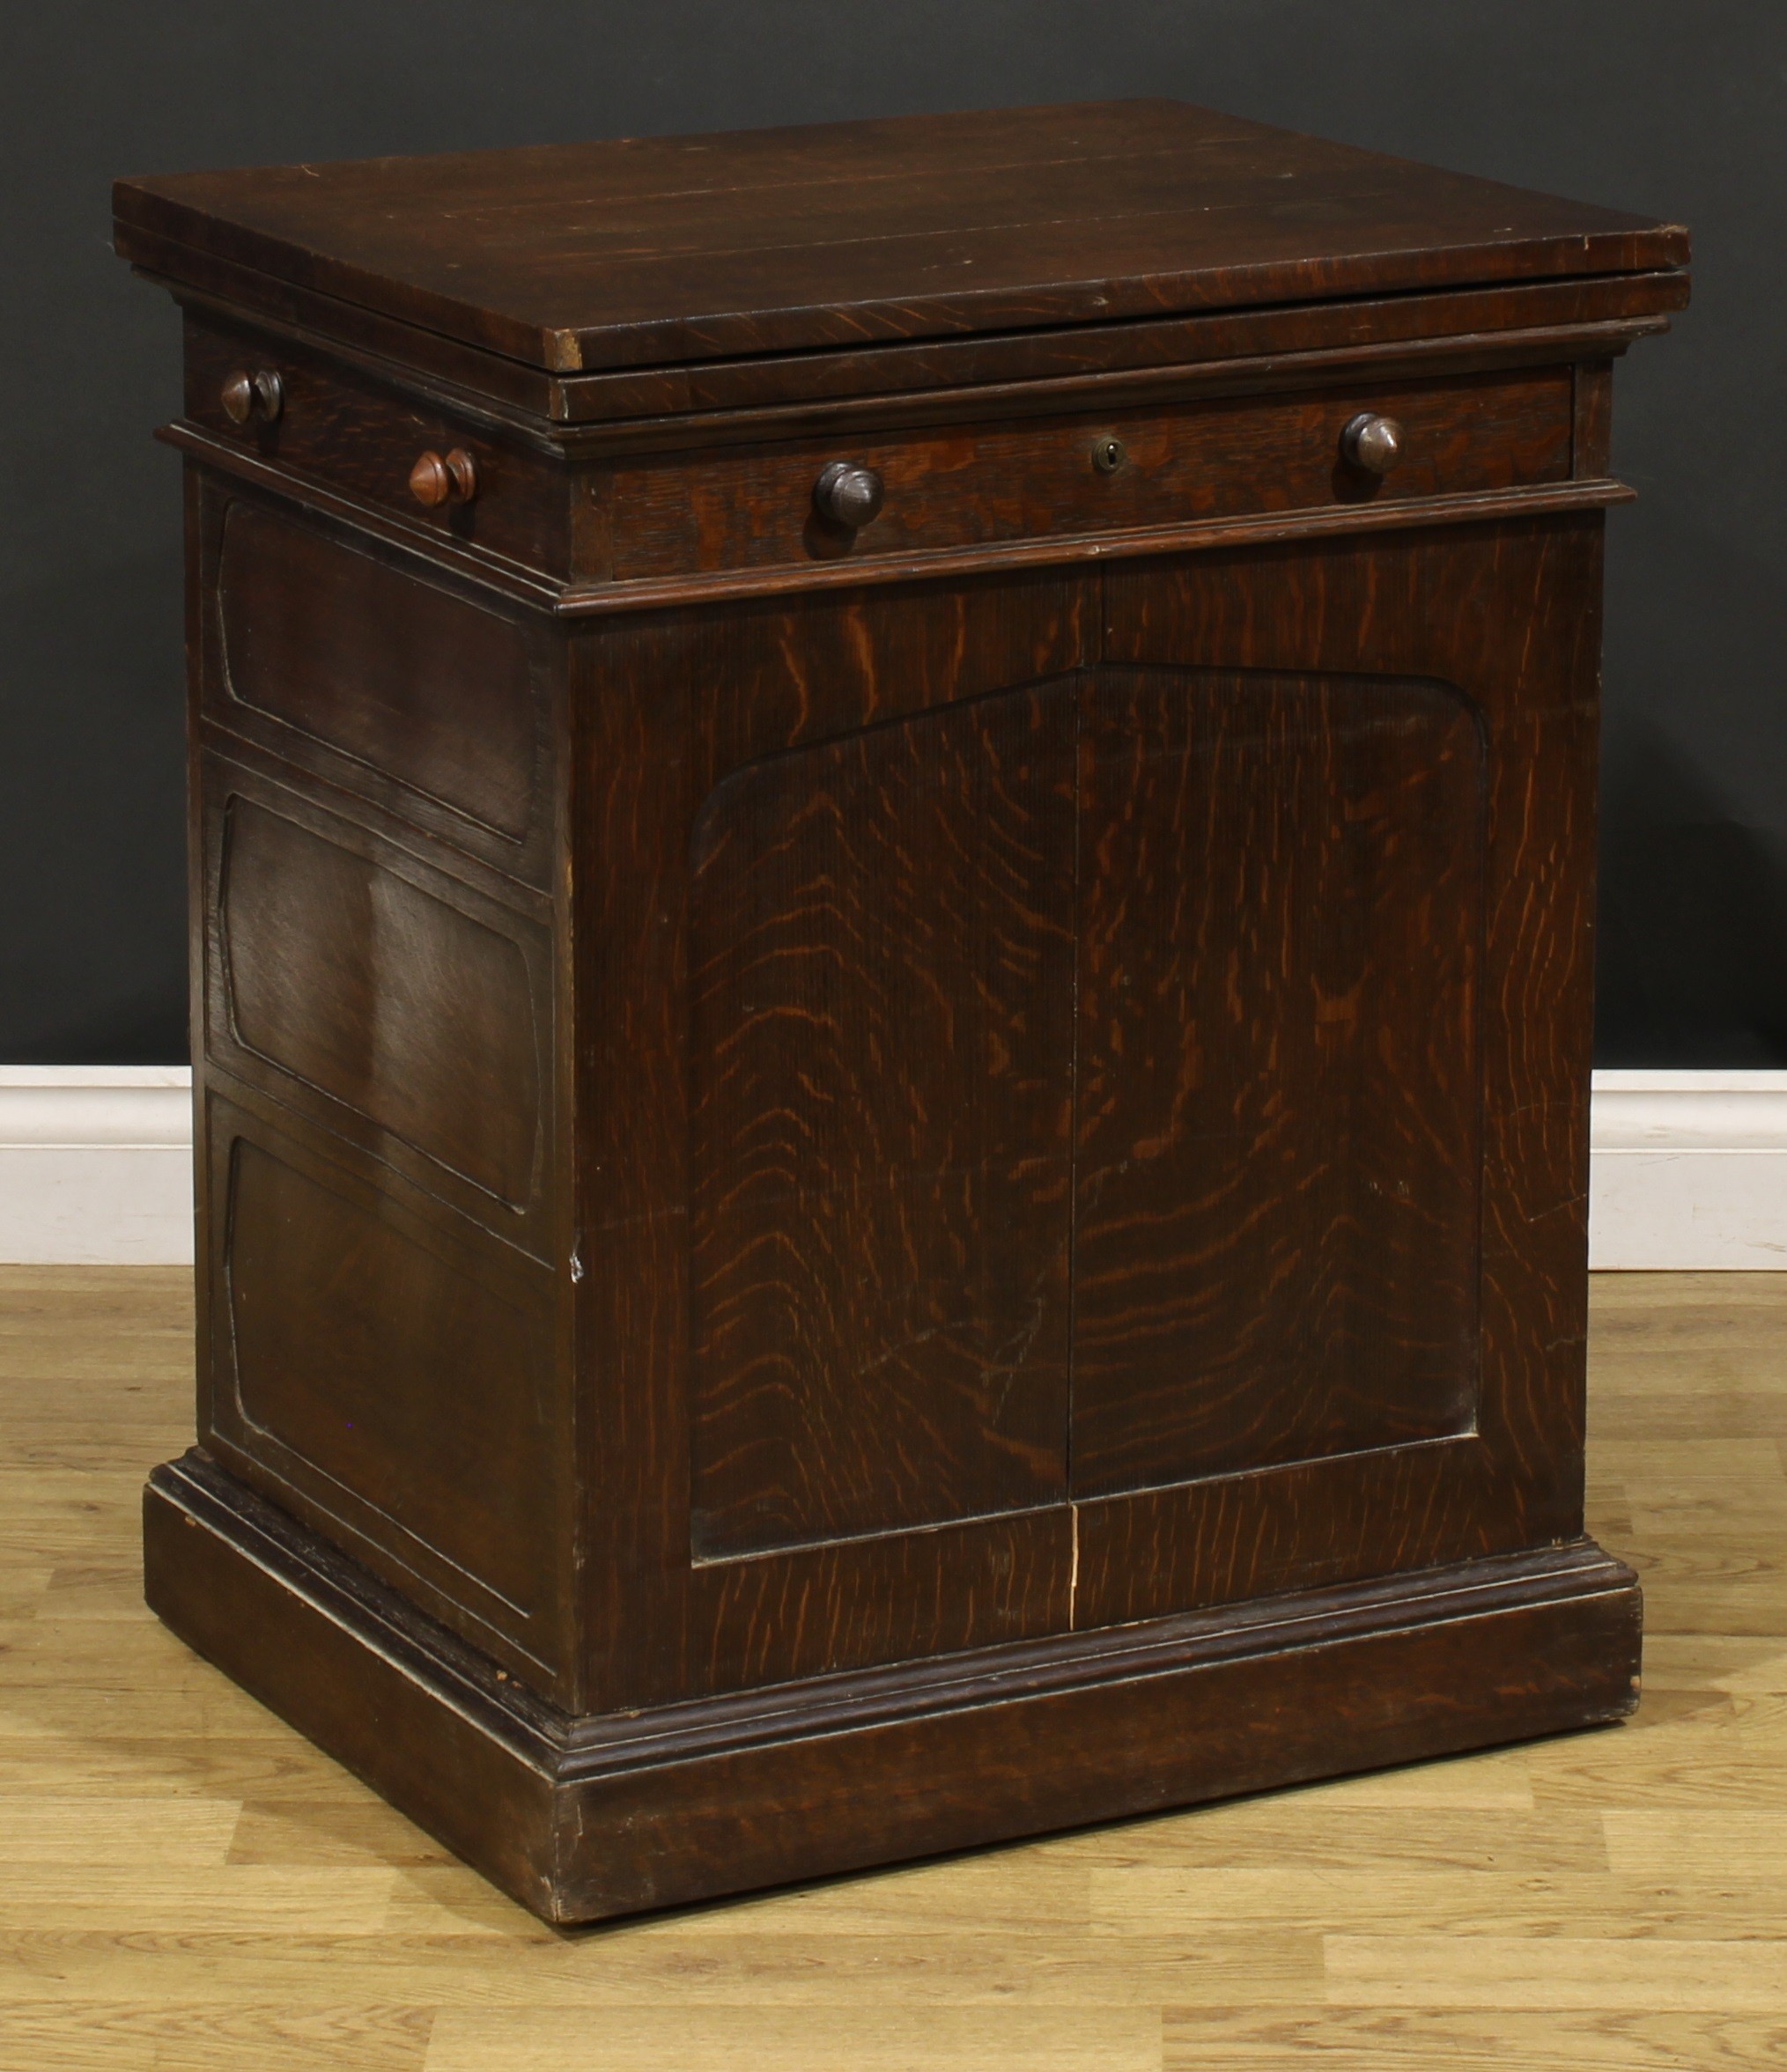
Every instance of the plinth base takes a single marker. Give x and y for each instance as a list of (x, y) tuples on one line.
[(583, 1818)]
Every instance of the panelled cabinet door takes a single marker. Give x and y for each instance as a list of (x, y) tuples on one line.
[(1336, 833), (827, 959), (1275, 1154), (1074, 1107), (880, 959)]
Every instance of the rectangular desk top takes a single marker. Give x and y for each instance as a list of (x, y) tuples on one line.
[(663, 251)]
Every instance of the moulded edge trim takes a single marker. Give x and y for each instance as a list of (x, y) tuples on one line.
[(580, 601)]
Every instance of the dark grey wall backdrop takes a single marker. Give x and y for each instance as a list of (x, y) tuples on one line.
[(1675, 107)]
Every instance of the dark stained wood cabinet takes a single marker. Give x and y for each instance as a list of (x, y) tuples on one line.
[(893, 835)]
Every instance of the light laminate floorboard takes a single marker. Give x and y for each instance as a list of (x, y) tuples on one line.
[(186, 1886)]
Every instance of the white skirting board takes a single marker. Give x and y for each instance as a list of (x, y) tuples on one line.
[(1688, 1168), (96, 1165)]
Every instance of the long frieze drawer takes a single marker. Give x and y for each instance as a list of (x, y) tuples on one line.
[(977, 485), (316, 417)]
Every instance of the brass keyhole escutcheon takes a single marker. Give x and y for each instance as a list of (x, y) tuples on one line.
[(1109, 455)]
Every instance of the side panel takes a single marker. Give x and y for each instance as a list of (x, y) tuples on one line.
[(378, 992), (383, 1228), (403, 677), (379, 675), (379, 1363)]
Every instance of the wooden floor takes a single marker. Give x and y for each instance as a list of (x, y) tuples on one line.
[(185, 1884)]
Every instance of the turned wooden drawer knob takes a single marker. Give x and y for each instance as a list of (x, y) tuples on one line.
[(848, 493), (1372, 442), (256, 393), (441, 478)]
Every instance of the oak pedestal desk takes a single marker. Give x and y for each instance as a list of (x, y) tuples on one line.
[(893, 835)]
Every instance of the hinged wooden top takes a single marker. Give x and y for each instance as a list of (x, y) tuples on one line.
[(655, 251)]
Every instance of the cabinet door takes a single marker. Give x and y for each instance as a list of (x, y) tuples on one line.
[(826, 916), (1334, 982), (880, 962), (1075, 1128), (1276, 1160)]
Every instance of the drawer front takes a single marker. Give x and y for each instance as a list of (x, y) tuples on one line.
[(348, 431), (980, 485)]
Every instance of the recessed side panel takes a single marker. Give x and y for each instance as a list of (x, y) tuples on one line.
[(423, 698), (367, 979), (392, 1375), (880, 959), (1277, 1157)]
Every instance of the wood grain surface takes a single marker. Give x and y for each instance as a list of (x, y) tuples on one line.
[(1426, 607), (975, 980), (1319, 817), (669, 708), (389, 1370), (987, 482), (380, 1360), (1531, 317), (881, 1049), (185, 1885), (1275, 1145), (396, 675), (647, 250), (366, 433), (310, 930), (429, 1046), (590, 1818), (417, 704)]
